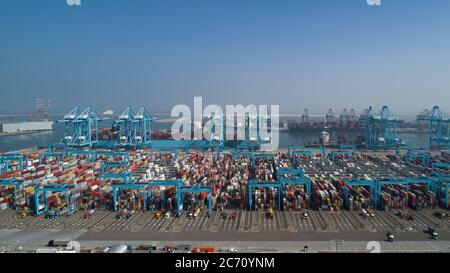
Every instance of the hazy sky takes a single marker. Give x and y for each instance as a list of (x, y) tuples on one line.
[(299, 54)]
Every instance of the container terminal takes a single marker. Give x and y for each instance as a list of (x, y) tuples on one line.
[(139, 189)]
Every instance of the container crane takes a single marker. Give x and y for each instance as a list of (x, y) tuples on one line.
[(253, 184), (125, 127), (146, 187), (442, 178), (294, 177), (343, 150), (380, 129), (17, 185), (421, 154), (81, 127), (439, 133), (86, 128), (6, 159), (429, 182), (141, 129), (68, 122), (371, 184), (199, 189), (68, 191)]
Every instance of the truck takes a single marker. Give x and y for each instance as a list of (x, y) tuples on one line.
[(390, 237), (196, 212), (167, 215), (87, 214), (366, 213), (270, 213), (58, 243), (23, 212), (440, 215), (305, 215), (157, 215), (433, 233), (203, 249)]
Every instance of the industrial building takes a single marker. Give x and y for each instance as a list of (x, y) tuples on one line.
[(27, 126)]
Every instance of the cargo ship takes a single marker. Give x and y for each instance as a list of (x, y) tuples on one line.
[(317, 126), (346, 121)]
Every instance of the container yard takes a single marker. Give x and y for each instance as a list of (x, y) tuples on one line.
[(134, 185), (151, 191)]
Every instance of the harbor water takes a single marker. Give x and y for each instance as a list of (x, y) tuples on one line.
[(307, 137)]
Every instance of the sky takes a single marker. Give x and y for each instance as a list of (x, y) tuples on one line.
[(315, 54)]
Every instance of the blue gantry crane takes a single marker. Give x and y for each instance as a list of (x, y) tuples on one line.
[(68, 122), (127, 186), (380, 129), (343, 150), (124, 127), (381, 183), (69, 194), (17, 185), (288, 176), (371, 184), (443, 191), (438, 126), (175, 183), (81, 127), (124, 159), (7, 159), (442, 178), (147, 186), (124, 175), (418, 153), (254, 184), (141, 131), (405, 182), (199, 189)]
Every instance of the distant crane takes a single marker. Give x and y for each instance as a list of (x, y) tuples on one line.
[(125, 126), (134, 128), (142, 122), (380, 128), (438, 127), (81, 127)]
